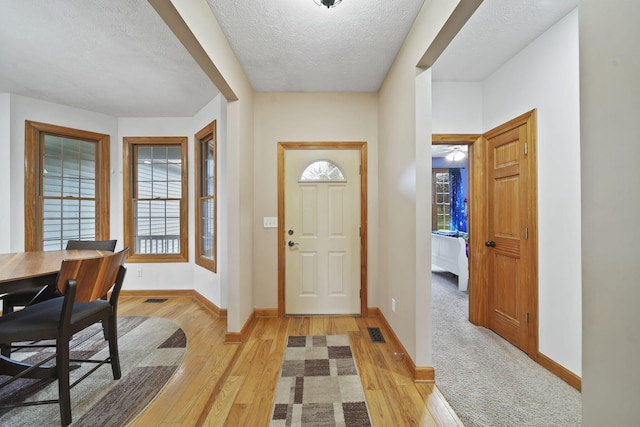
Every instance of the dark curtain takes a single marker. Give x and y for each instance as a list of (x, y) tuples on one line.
[(457, 194)]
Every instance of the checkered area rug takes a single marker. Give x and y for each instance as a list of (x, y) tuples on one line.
[(319, 385)]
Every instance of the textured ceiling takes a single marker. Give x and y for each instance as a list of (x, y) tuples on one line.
[(110, 56), (298, 46), (118, 57), (496, 32)]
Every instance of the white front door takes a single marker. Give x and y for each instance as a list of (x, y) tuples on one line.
[(322, 232)]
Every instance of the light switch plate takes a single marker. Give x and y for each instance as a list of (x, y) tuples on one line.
[(270, 222)]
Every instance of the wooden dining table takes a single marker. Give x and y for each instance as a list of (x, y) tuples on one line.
[(24, 270)]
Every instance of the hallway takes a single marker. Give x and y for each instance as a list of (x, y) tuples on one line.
[(486, 380)]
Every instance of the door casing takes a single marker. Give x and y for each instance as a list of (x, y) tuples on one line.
[(479, 223), (362, 147)]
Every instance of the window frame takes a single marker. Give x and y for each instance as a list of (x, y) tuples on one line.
[(435, 204), (129, 144), (33, 199), (206, 134)]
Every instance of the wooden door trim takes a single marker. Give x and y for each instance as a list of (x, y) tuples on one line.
[(362, 147), (477, 220)]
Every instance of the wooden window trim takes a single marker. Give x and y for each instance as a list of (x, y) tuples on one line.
[(32, 180), (128, 145), (206, 134)]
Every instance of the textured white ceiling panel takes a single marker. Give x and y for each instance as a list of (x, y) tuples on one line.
[(297, 46), (115, 57), (496, 32), (119, 58)]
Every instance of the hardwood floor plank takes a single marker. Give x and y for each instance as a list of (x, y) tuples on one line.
[(234, 384)]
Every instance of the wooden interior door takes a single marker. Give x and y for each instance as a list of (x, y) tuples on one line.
[(512, 266)]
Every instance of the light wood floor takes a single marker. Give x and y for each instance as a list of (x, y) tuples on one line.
[(233, 385)]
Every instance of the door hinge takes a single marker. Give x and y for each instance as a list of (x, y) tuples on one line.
[(526, 148), (526, 317), (526, 233), (360, 293)]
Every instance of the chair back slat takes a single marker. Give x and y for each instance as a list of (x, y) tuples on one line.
[(99, 245), (94, 276)]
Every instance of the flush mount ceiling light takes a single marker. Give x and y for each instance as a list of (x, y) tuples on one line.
[(456, 155), (327, 3)]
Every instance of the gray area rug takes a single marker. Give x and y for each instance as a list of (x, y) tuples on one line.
[(487, 381), (151, 349), (319, 385)]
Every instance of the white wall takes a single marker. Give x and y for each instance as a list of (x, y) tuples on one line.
[(610, 103), (544, 76), (457, 107), (5, 171), (23, 108), (204, 281), (313, 117), (236, 214), (404, 274)]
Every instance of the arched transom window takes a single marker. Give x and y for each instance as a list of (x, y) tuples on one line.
[(322, 170)]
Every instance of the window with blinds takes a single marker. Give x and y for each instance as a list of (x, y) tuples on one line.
[(205, 205), (156, 199), (66, 186)]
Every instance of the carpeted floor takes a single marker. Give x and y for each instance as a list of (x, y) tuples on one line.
[(151, 349), (487, 381), (319, 384)]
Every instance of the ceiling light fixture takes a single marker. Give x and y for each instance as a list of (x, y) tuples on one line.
[(327, 3), (456, 155)]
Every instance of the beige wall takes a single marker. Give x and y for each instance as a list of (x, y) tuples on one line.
[(236, 273), (609, 106), (287, 117), (404, 249)]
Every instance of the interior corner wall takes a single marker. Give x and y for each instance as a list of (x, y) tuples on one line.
[(545, 76), (5, 173), (609, 106), (205, 282), (236, 269), (285, 117), (401, 249)]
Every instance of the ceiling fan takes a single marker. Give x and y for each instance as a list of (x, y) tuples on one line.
[(451, 152)]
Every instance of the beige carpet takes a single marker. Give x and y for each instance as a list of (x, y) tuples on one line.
[(319, 385), (487, 381), (151, 349)]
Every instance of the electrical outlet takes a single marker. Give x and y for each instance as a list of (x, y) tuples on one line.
[(393, 305)]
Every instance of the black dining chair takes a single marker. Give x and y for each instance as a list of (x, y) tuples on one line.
[(82, 282), (27, 297)]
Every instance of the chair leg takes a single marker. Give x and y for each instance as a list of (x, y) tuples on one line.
[(7, 307), (5, 349), (112, 331), (64, 391)]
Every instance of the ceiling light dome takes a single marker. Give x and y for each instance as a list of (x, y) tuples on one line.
[(327, 3)]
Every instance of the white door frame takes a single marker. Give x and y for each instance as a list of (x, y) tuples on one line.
[(362, 147)]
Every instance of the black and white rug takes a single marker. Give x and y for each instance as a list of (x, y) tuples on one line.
[(319, 385), (150, 348)]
